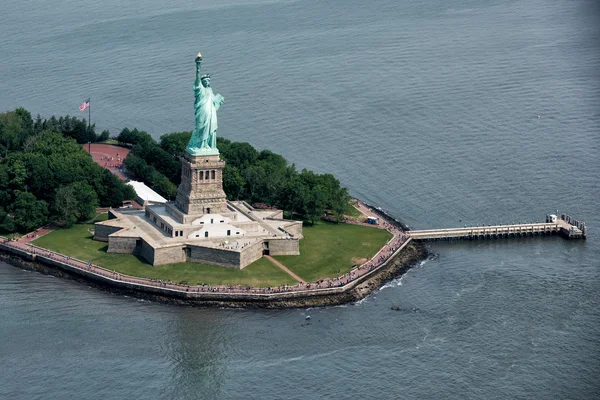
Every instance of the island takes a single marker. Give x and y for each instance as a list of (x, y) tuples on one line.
[(209, 246)]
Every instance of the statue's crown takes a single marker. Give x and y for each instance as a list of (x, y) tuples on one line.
[(205, 76)]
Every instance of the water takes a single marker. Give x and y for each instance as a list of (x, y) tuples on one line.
[(428, 109)]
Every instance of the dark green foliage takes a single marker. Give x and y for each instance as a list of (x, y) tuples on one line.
[(259, 177), (64, 206), (40, 159), (104, 136), (239, 155), (150, 176), (133, 137), (16, 128), (44, 167), (7, 222), (175, 143), (233, 183), (156, 165), (28, 212), (155, 156), (87, 200), (75, 202), (72, 127)]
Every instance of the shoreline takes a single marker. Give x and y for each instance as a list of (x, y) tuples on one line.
[(395, 266), (389, 218), (398, 263)]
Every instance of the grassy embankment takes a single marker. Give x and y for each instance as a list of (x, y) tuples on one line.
[(351, 211), (329, 249), (326, 250)]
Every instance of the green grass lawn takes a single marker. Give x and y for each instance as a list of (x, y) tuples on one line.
[(326, 251), (329, 250), (77, 242), (351, 210), (100, 217)]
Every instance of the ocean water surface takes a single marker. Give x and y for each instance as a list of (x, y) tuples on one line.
[(443, 113)]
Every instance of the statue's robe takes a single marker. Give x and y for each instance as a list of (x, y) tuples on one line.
[(206, 105)]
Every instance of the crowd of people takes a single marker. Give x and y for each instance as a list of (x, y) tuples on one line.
[(111, 163)]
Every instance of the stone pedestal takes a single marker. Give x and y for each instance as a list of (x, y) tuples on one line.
[(201, 189)]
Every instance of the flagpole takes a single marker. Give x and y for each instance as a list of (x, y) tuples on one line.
[(89, 113)]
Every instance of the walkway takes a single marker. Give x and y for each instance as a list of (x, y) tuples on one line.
[(108, 156), (366, 212), (340, 283), (283, 267), (35, 234), (572, 230)]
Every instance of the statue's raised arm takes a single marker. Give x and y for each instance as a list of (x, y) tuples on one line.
[(206, 104), (198, 82)]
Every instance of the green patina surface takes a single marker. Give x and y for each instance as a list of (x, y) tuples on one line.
[(206, 105), (327, 250)]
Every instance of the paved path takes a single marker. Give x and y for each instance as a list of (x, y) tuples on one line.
[(398, 241), (35, 234), (283, 267), (367, 212), (109, 157)]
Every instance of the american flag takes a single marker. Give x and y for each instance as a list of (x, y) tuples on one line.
[(84, 105)]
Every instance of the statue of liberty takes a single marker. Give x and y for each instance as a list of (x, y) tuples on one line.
[(206, 104)]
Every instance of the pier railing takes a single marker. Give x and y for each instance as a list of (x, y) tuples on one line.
[(564, 226)]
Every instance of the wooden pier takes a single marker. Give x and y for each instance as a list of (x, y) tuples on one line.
[(564, 225)]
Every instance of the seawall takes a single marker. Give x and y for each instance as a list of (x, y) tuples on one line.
[(406, 256)]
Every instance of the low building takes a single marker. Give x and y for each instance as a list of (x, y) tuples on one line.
[(145, 195)]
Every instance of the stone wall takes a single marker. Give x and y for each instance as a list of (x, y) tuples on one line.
[(295, 228), (221, 257), (410, 253), (168, 255), (146, 252), (18, 252), (122, 245), (251, 253), (283, 247), (101, 232), (277, 215)]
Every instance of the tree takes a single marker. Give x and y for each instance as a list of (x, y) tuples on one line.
[(150, 176), (77, 129), (294, 195), (64, 207), (133, 136), (28, 212), (26, 123), (339, 202), (162, 185), (315, 204), (87, 200), (158, 158), (276, 161), (7, 223), (255, 177), (237, 154), (104, 136), (17, 174), (175, 143), (233, 182), (13, 130)]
